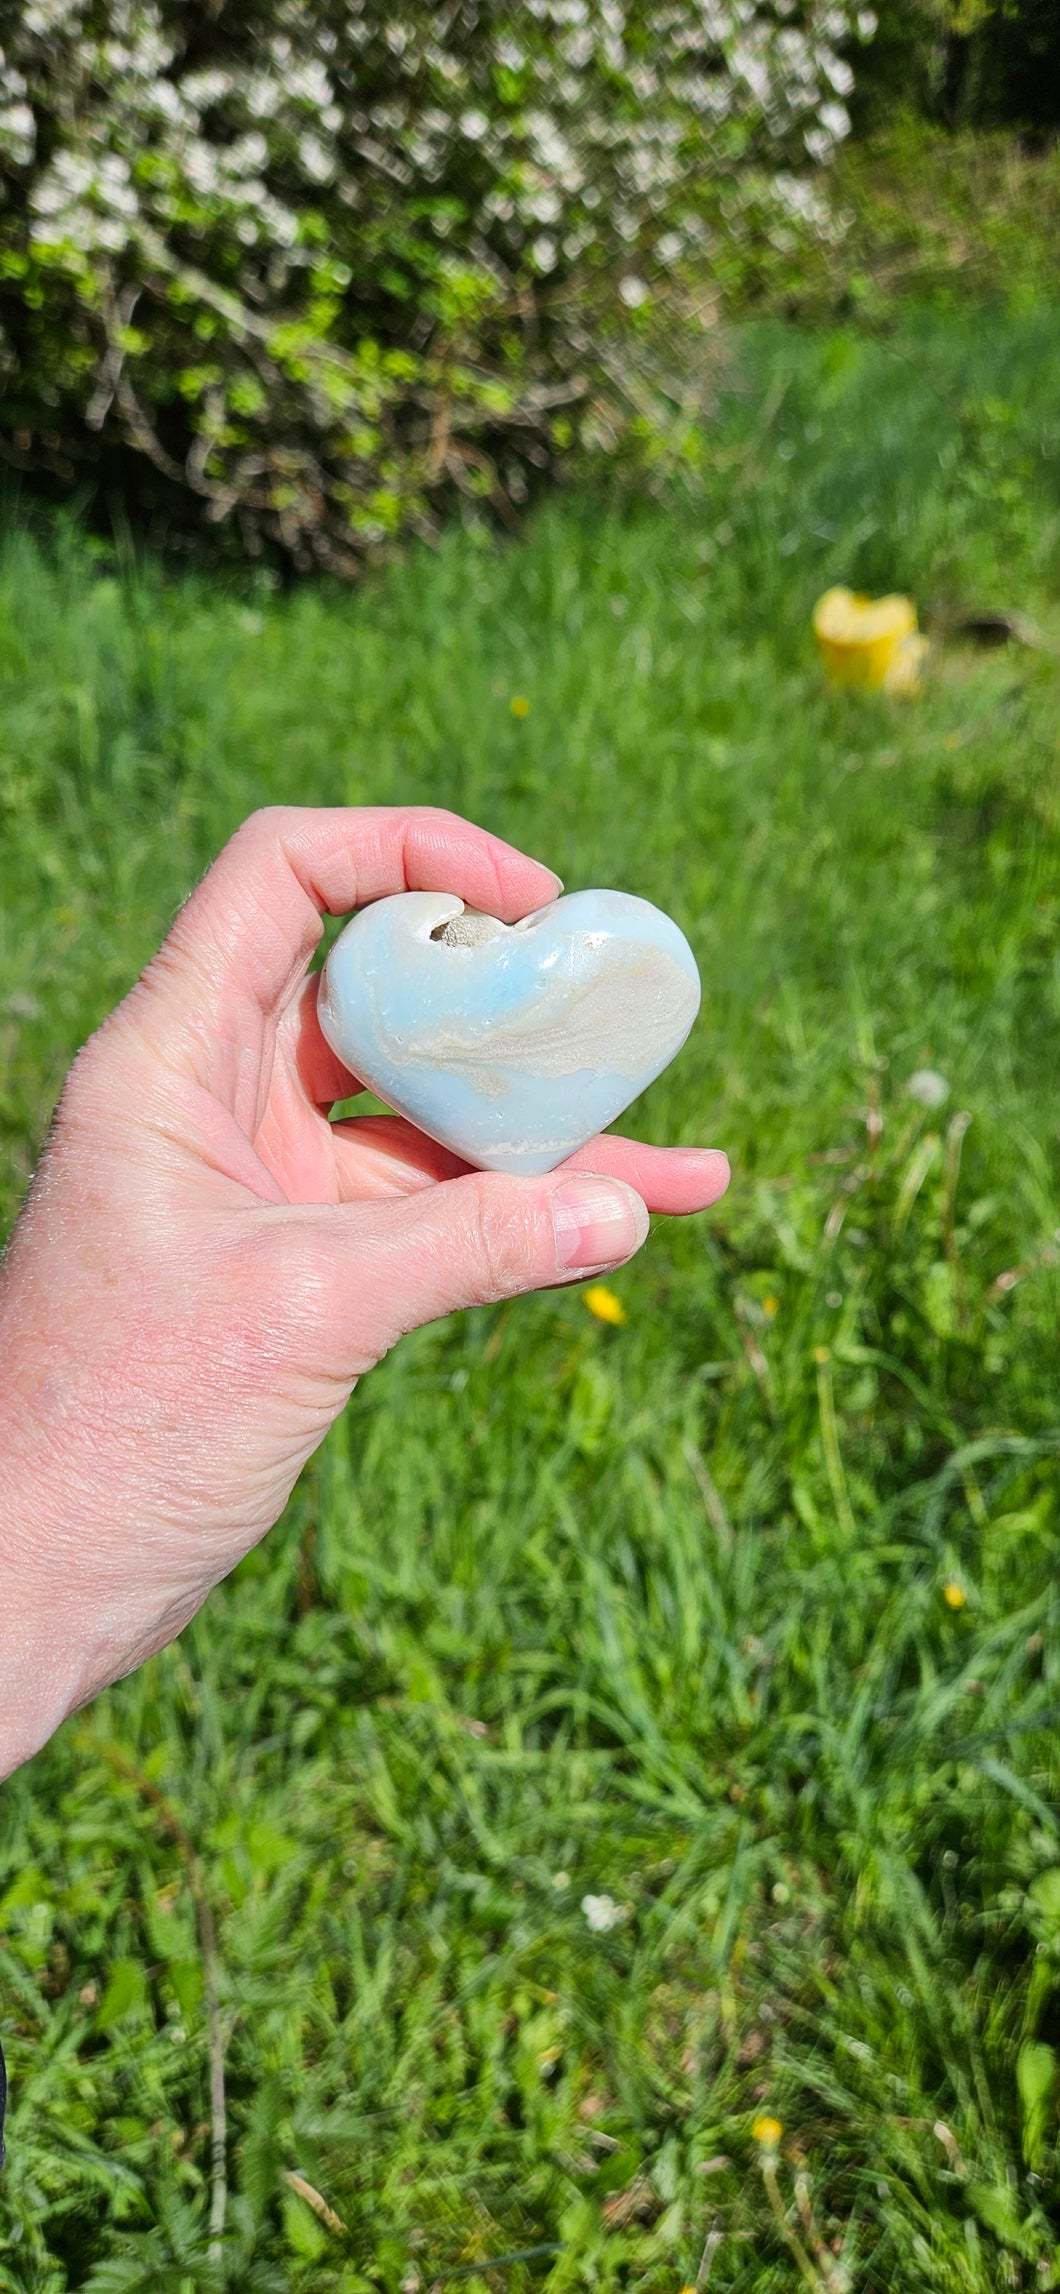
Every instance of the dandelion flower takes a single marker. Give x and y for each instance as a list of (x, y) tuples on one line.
[(768, 2132), (604, 1303), (520, 706), (770, 1305), (954, 1594)]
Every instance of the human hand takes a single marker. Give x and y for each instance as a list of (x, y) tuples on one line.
[(206, 1264)]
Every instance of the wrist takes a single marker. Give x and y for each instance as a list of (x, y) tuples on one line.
[(39, 1663), (51, 1653)]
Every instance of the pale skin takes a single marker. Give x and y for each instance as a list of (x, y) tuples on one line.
[(205, 1264)]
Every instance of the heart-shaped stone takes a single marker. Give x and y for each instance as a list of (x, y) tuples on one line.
[(511, 1044)]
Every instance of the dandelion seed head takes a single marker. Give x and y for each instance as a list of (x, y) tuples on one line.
[(927, 1087)]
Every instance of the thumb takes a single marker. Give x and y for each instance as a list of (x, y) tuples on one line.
[(472, 1240)]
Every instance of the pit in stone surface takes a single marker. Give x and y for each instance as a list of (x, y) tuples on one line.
[(468, 930)]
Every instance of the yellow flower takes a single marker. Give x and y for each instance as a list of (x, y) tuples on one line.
[(768, 2132), (604, 1304), (821, 1355), (954, 1594), (770, 1305), (520, 706)]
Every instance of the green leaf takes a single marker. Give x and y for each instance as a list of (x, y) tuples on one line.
[(186, 1982), (590, 1409), (1045, 1895), (304, 2234), (1036, 2077), (125, 1994), (995, 2208)]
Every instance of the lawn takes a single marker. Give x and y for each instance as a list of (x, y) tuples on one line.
[(739, 1615)]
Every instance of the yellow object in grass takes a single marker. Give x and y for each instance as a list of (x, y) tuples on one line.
[(603, 1303), (871, 642), (768, 2131)]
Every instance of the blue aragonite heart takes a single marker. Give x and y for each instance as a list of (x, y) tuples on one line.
[(511, 1044)]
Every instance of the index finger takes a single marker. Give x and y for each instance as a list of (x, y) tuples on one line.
[(239, 948)]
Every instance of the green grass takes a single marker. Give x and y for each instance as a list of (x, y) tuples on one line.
[(919, 212), (658, 1611)]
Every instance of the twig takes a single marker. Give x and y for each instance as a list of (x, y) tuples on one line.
[(441, 437), (324, 2213), (118, 315), (460, 457), (143, 434)]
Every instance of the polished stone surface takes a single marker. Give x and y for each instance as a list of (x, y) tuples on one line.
[(510, 1044)]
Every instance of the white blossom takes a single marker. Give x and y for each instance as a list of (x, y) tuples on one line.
[(602, 1913), (839, 74), (18, 132), (835, 120), (195, 183), (633, 291)]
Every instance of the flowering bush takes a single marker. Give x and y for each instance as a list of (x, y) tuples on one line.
[(296, 267)]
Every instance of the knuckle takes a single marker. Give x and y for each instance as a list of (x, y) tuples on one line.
[(429, 814), (260, 828), (504, 1239)]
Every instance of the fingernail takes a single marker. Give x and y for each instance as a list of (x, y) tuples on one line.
[(597, 1222)]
